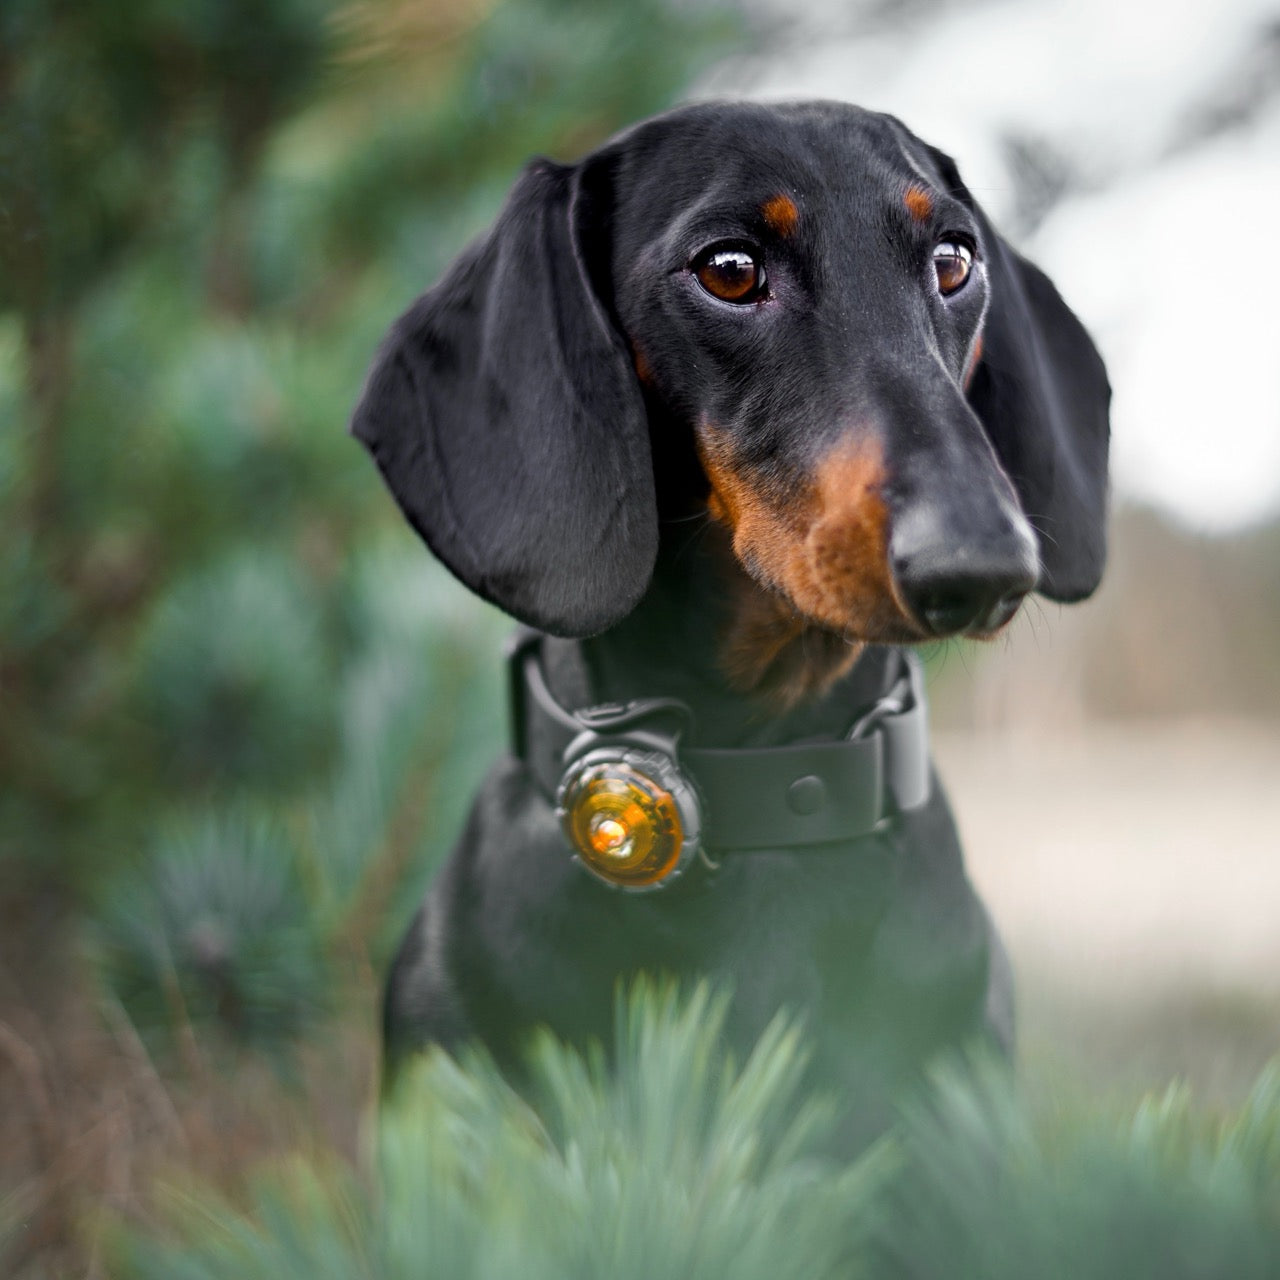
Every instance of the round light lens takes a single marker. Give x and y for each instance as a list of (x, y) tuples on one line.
[(624, 826)]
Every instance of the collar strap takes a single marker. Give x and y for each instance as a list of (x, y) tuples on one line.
[(751, 797)]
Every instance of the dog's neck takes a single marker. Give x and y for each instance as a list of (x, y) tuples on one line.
[(752, 672)]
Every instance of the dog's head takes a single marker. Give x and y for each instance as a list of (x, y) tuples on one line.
[(896, 417)]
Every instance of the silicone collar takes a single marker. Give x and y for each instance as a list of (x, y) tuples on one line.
[(809, 793)]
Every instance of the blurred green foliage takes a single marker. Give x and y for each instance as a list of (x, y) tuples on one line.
[(209, 213), (212, 935), (679, 1163)]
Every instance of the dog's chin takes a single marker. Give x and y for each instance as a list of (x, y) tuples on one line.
[(773, 651), (776, 649)]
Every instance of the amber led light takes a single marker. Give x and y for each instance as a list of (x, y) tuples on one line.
[(624, 826)]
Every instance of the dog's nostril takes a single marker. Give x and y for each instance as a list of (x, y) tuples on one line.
[(950, 601), (1004, 610), (951, 608)]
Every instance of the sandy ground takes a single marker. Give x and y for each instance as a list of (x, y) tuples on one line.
[(1134, 871)]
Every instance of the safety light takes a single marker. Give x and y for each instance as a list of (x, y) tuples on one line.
[(630, 816)]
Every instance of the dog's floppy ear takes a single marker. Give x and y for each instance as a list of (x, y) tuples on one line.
[(505, 417), (1041, 391)]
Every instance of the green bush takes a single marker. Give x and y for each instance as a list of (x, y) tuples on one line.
[(230, 664), (210, 940), (228, 925), (990, 1191), (208, 216), (680, 1164)]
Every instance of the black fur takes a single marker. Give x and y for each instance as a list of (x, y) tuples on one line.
[(508, 418)]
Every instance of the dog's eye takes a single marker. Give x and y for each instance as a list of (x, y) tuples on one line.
[(732, 275), (952, 263)]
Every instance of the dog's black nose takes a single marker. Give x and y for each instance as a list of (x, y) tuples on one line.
[(958, 585)]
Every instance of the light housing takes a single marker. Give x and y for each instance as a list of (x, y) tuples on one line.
[(630, 815)]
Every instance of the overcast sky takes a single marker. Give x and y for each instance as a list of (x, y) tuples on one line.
[(1152, 136)]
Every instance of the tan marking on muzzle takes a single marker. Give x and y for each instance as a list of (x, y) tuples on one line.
[(644, 371), (975, 359), (825, 546), (848, 544)]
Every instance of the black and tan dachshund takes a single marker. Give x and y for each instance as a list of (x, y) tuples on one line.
[(731, 413)]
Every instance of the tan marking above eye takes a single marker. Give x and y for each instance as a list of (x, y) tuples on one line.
[(952, 264), (732, 275), (780, 214), (919, 203)]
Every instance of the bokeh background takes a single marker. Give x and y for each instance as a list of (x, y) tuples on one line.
[(241, 711)]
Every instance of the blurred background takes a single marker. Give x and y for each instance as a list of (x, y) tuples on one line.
[(242, 711)]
